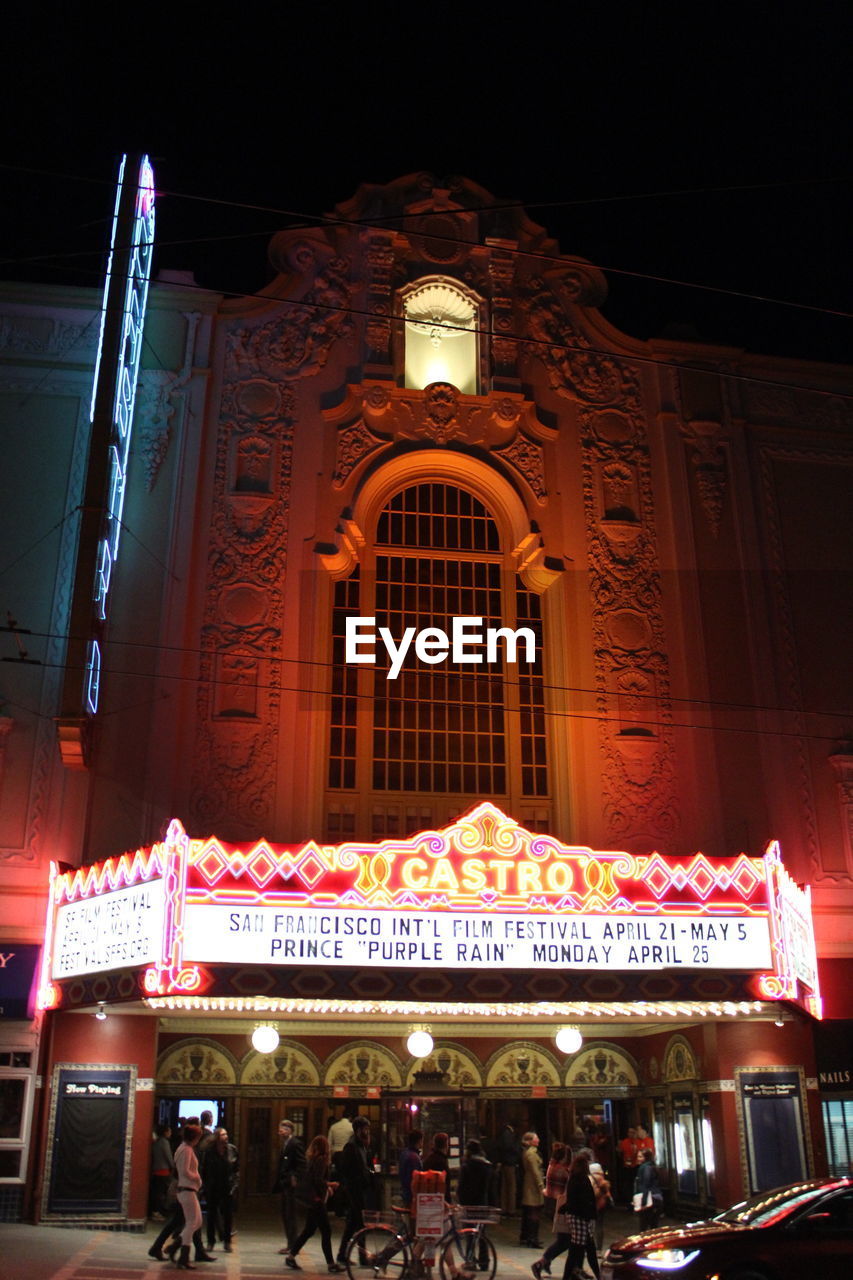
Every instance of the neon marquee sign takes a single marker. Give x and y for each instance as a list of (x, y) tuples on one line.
[(120, 383), (483, 893)]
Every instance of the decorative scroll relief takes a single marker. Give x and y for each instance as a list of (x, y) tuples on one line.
[(803, 409), (353, 444), (639, 782), (289, 1064), (601, 1066), (159, 394), (196, 1062), (679, 1061), (842, 765), (461, 1070), (297, 342), (376, 414), (520, 1065), (709, 460), (49, 337), (233, 784), (364, 1063)]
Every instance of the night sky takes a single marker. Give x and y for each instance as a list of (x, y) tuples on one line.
[(706, 144)]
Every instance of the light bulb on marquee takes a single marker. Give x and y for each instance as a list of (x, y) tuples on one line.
[(569, 1039), (420, 1043), (265, 1039)]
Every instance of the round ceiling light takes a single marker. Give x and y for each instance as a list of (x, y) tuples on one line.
[(569, 1039), (265, 1039), (420, 1044)]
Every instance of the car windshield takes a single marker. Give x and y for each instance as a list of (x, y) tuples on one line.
[(770, 1206)]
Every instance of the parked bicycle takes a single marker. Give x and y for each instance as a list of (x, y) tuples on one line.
[(387, 1247)]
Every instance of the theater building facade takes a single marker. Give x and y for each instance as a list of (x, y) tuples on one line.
[(472, 667)]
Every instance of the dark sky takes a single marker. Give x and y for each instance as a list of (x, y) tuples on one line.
[(705, 143)]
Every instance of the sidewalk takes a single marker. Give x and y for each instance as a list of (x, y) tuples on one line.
[(53, 1253)]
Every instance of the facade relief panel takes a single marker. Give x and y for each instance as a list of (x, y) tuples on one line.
[(631, 662)]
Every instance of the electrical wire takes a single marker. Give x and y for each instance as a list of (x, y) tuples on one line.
[(632, 357), (307, 221), (276, 660)]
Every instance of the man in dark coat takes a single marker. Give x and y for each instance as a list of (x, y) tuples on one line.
[(355, 1166), (291, 1167)]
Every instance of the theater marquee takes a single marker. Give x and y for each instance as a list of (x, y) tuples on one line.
[(483, 893)]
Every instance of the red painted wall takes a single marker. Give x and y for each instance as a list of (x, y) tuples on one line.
[(120, 1040)]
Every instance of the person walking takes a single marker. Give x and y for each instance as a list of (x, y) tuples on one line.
[(410, 1160), (475, 1178), (437, 1161), (219, 1173), (316, 1190), (357, 1178), (291, 1166), (340, 1132), (556, 1177), (189, 1185), (579, 1213), (603, 1201), (162, 1171), (648, 1197), (532, 1188), (508, 1159)]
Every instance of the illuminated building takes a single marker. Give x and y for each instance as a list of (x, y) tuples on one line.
[(426, 418)]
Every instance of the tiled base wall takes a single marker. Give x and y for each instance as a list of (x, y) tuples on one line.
[(92, 1224), (11, 1204)]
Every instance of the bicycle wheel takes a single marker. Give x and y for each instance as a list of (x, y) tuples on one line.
[(466, 1254), (377, 1251)]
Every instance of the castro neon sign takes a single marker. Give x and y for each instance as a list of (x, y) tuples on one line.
[(120, 382)]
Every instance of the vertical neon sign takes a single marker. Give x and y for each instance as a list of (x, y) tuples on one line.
[(119, 383)]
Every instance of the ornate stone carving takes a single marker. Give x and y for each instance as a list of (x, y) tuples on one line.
[(631, 663), (295, 342), (364, 1063), (196, 1062), (679, 1061), (354, 443), (458, 1066), (49, 337), (528, 459), (289, 1064), (159, 394), (601, 1065), (574, 370), (504, 349), (233, 784), (521, 1064), (708, 458), (795, 407), (441, 402), (842, 764), (380, 268), (789, 671)]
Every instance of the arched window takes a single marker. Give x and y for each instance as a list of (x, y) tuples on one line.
[(441, 336), (419, 749)]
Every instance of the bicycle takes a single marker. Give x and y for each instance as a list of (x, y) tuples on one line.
[(387, 1247)]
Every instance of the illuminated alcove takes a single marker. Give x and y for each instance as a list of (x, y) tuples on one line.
[(441, 336)]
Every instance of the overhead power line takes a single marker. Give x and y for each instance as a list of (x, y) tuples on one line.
[(320, 665), (307, 221)]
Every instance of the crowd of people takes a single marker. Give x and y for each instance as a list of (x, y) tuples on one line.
[(337, 1175), (204, 1164)]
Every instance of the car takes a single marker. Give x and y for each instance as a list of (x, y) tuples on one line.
[(795, 1231)]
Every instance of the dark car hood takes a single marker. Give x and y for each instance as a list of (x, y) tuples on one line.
[(674, 1237)]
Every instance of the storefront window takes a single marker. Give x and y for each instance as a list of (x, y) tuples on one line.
[(838, 1128)]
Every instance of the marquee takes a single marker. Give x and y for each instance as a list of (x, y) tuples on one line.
[(482, 893)]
